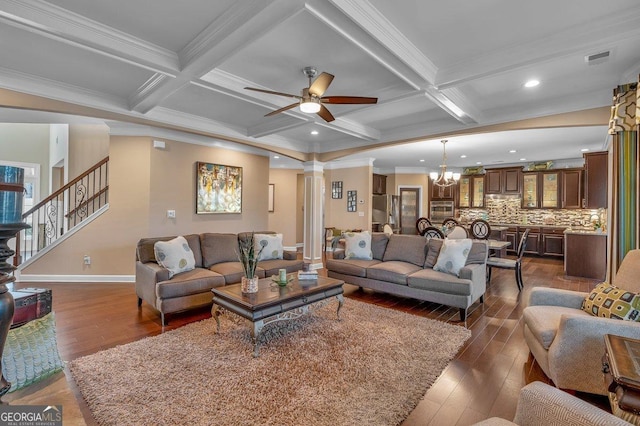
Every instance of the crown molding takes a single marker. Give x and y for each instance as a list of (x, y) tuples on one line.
[(30, 84)]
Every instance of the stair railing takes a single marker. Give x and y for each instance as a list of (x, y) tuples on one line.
[(63, 210)]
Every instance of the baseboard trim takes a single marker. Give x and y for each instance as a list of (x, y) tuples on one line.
[(76, 278)]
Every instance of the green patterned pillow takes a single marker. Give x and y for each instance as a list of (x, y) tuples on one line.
[(609, 301), (175, 255), (31, 353), (272, 244)]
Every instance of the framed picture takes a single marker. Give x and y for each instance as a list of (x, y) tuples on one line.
[(352, 201), (336, 189), (218, 188), (272, 191)]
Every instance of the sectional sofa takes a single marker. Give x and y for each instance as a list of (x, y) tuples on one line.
[(403, 265), (216, 264)]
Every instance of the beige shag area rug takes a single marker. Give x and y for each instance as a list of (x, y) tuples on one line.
[(370, 368)]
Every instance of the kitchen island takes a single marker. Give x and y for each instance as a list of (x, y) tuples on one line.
[(585, 253)]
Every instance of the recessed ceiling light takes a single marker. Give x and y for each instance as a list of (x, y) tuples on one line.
[(422, 161), (463, 156), (275, 157), (523, 159), (314, 132), (513, 151), (584, 149), (478, 162), (531, 83)]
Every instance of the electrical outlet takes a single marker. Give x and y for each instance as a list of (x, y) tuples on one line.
[(87, 259), (171, 214)]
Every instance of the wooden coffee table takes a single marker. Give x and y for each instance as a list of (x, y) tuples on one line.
[(274, 303)]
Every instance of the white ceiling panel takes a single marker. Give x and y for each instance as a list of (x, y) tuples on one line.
[(166, 23), (206, 103), (67, 64)]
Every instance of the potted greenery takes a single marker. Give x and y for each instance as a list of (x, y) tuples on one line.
[(249, 260)]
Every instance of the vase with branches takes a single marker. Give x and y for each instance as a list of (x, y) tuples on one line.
[(249, 257)]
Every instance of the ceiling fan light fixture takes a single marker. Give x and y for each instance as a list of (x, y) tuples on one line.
[(310, 106)]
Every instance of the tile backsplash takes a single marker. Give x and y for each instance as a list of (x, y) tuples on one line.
[(507, 210)]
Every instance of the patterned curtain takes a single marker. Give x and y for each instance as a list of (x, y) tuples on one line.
[(623, 125)]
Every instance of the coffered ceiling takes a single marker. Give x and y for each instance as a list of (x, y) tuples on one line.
[(440, 69)]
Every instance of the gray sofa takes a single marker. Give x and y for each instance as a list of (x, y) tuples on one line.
[(403, 265), (216, 265)]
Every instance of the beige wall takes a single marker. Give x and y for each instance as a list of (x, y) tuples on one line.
[(88, 144), (144, 183), (284, 217), (27, 143), (355, 178), (413, 180)]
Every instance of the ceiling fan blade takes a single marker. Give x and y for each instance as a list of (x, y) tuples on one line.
[(272, 92), (348, 100), (278, 111), (325, 114), (321, 84)]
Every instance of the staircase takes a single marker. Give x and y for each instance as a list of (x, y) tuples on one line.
[(63, 212)]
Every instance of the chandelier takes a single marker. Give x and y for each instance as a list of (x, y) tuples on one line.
[(445, 178)]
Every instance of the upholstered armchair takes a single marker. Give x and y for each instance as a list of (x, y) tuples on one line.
[(567, 342), (541, 404)]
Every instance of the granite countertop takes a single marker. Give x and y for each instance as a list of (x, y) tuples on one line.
[(584, 232)]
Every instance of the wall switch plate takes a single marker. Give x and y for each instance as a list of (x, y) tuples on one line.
[(171, 214), (361, 214)]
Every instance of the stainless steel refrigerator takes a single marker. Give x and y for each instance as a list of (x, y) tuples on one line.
[(386, 209)]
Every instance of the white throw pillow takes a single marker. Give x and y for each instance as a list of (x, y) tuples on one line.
[(175, 255), (272, 244), (358, 245), (453, 255)]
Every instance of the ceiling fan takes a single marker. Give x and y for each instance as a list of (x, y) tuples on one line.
[(311, 99)]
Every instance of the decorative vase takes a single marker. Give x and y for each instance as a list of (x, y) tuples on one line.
[(249, 285)]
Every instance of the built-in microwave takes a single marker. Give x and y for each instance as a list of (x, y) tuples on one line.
[(440, 210)]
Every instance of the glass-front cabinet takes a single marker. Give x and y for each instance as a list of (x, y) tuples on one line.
[(478, 191), (471, 191), (550, 190), (530, 191), (541, 190), (464, 191)]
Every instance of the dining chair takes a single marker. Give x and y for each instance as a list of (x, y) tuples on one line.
[(432, 232), (515, 264), (457, 232), (448, 224), (422, 223), (480, 229)]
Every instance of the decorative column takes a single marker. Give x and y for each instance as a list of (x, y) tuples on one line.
[(11, 196), (623, 126), (313, 206)]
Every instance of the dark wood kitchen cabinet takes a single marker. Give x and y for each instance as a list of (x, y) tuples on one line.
[(571, 189), (379, 184), (552, 242), (503, 181), (596, 165)]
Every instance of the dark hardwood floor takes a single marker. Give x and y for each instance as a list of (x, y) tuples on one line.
[(482, 381)]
